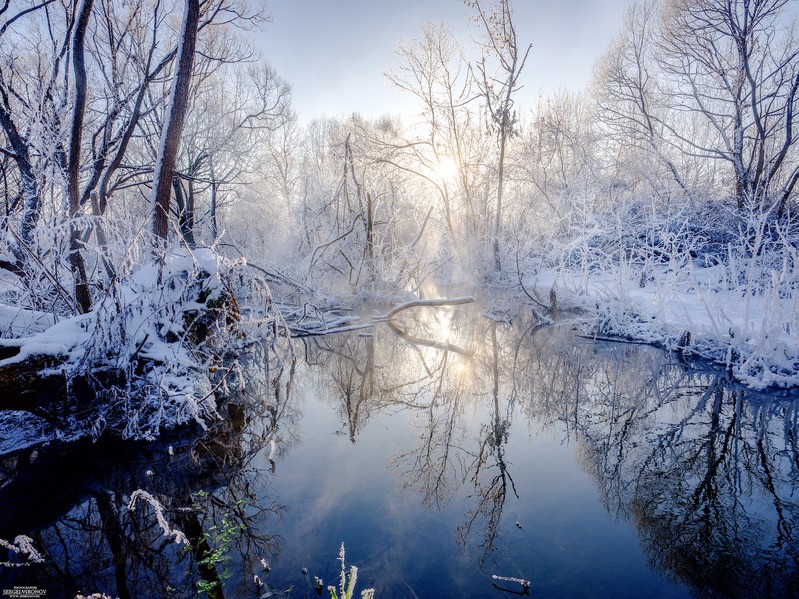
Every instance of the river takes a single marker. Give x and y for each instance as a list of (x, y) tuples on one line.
[(442, 450)]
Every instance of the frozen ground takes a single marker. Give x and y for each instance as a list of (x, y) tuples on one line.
[(751, 329)]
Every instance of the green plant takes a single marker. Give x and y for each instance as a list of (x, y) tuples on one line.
[(215, 549)]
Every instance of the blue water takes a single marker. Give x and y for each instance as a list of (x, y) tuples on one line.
[(588, 469)]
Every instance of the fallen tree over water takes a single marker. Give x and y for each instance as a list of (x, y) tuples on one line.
[(163, 347)]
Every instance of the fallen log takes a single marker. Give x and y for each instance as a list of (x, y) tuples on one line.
[(25, 387), (431, 303)]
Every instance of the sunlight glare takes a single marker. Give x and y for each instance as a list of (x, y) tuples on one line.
[(447, 169)]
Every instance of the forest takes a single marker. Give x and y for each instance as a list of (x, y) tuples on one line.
[(172, 232), (166, 212)]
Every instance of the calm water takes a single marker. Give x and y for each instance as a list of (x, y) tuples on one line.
[(442, 451)]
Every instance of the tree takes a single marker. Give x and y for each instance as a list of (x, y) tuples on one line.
[(498, 88), (173, 124), (82, 293), (627, 90), (435, 70), (736, 64), (711, 81), (16, 111), (233, 114), (557, 156)]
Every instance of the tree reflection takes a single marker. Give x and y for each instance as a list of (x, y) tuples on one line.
[(490, 464), (437, 367), (706, 470), (76, 500)]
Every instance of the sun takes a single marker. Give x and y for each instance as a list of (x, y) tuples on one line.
[(447, 168)]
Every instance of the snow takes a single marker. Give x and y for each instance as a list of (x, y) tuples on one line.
[(754, 333), (19, 430), (15, 321), (63, 339), (142, 327)]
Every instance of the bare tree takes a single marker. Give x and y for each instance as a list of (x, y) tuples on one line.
[(499, 87), (17, 110), (557, 154), (736, 63), (712, 81), (629, 93), (82, 293), (435, 70), (232, 116), (173, 125)]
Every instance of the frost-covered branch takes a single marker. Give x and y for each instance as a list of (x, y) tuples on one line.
[(158, 509), (22, 546)]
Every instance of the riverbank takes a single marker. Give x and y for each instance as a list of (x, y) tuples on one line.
[(752, 330)]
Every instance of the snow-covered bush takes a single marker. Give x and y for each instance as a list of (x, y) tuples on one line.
[(703, 279), (161, 340)]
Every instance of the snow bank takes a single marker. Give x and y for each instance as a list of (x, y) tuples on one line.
[(16, 321), (753, 330), (149, 348)]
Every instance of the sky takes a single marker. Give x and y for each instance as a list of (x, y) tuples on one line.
[(334, 52)]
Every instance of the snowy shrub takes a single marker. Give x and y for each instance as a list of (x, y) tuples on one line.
[(161, 341), (21, 548)]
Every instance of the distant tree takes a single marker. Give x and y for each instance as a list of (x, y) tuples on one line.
[(498, 86), (435, 70), (557, 156), (712, 81), (628, 91), (232, 116)]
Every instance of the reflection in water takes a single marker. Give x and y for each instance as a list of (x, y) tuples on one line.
[(74, 502), (707, 472)]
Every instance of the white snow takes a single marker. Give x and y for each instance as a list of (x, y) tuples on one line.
[(142, 323), (753, 332)]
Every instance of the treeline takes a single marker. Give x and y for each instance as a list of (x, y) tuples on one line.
[(685, 140), (681, 152)]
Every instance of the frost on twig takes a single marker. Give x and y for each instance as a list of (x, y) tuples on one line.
[(169, 532), (347, 588), (525, 583), (22, 546)]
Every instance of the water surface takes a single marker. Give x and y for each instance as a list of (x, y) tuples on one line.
[(441, 450)]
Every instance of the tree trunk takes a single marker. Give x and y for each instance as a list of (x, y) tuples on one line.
[(30, 187), (173, 124), (188, 225), (82, 293), (503, 135), (183, 202), (214, 230), (370, 233)]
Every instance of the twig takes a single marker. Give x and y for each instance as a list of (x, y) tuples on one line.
[(525, 583), (612, 339)]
